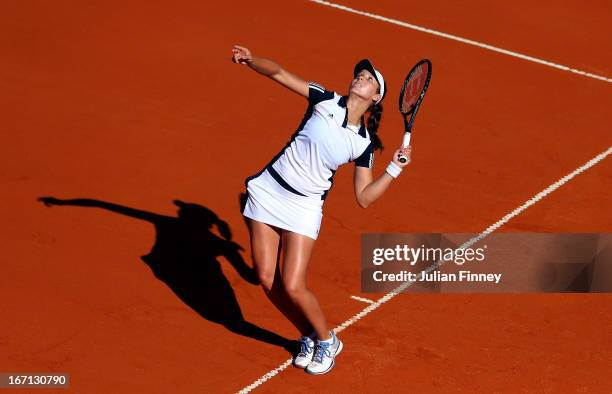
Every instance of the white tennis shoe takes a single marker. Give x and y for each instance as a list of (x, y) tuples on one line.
[(324, 356), (303, 358)]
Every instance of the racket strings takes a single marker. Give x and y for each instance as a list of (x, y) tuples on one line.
[(414, 87)]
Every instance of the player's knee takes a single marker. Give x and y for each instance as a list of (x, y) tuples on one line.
[(266, 278), (265, 268), (294, 288)]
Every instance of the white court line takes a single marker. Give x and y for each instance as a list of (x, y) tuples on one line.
[(387, 297), (366, 300), (463, 40)]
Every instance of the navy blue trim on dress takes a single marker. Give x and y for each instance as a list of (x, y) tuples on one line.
[(331, 183), (362, 129), (305, 118), (342, 104), (317, 93), (365, 159), (282, 182)]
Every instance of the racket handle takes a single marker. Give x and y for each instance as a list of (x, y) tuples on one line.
[(406, 141), (401, 158)]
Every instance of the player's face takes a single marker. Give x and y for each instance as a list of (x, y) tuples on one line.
[(365, 86)]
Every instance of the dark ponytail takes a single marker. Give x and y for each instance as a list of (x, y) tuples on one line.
[(373, 121)]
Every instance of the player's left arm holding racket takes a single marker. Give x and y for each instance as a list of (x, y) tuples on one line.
[(270, 69)]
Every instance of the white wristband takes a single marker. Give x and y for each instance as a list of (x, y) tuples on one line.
[(393, 169)]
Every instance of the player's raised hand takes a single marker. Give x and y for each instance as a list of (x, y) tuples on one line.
[(241, 55)]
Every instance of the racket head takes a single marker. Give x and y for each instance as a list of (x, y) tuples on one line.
[(414, 87)]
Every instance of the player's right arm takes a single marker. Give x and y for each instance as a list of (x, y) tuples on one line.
[(368, 190), (269, 68)]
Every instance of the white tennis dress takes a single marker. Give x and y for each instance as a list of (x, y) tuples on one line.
[(289, 192)]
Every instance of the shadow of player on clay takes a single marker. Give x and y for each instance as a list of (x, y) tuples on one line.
[(184, 257)]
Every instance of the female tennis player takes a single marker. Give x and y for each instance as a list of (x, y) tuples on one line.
[(284, 200)]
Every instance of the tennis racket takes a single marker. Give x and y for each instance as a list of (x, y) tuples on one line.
[(410, 98)]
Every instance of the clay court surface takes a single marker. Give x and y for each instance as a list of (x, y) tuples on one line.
[(132, 105)]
